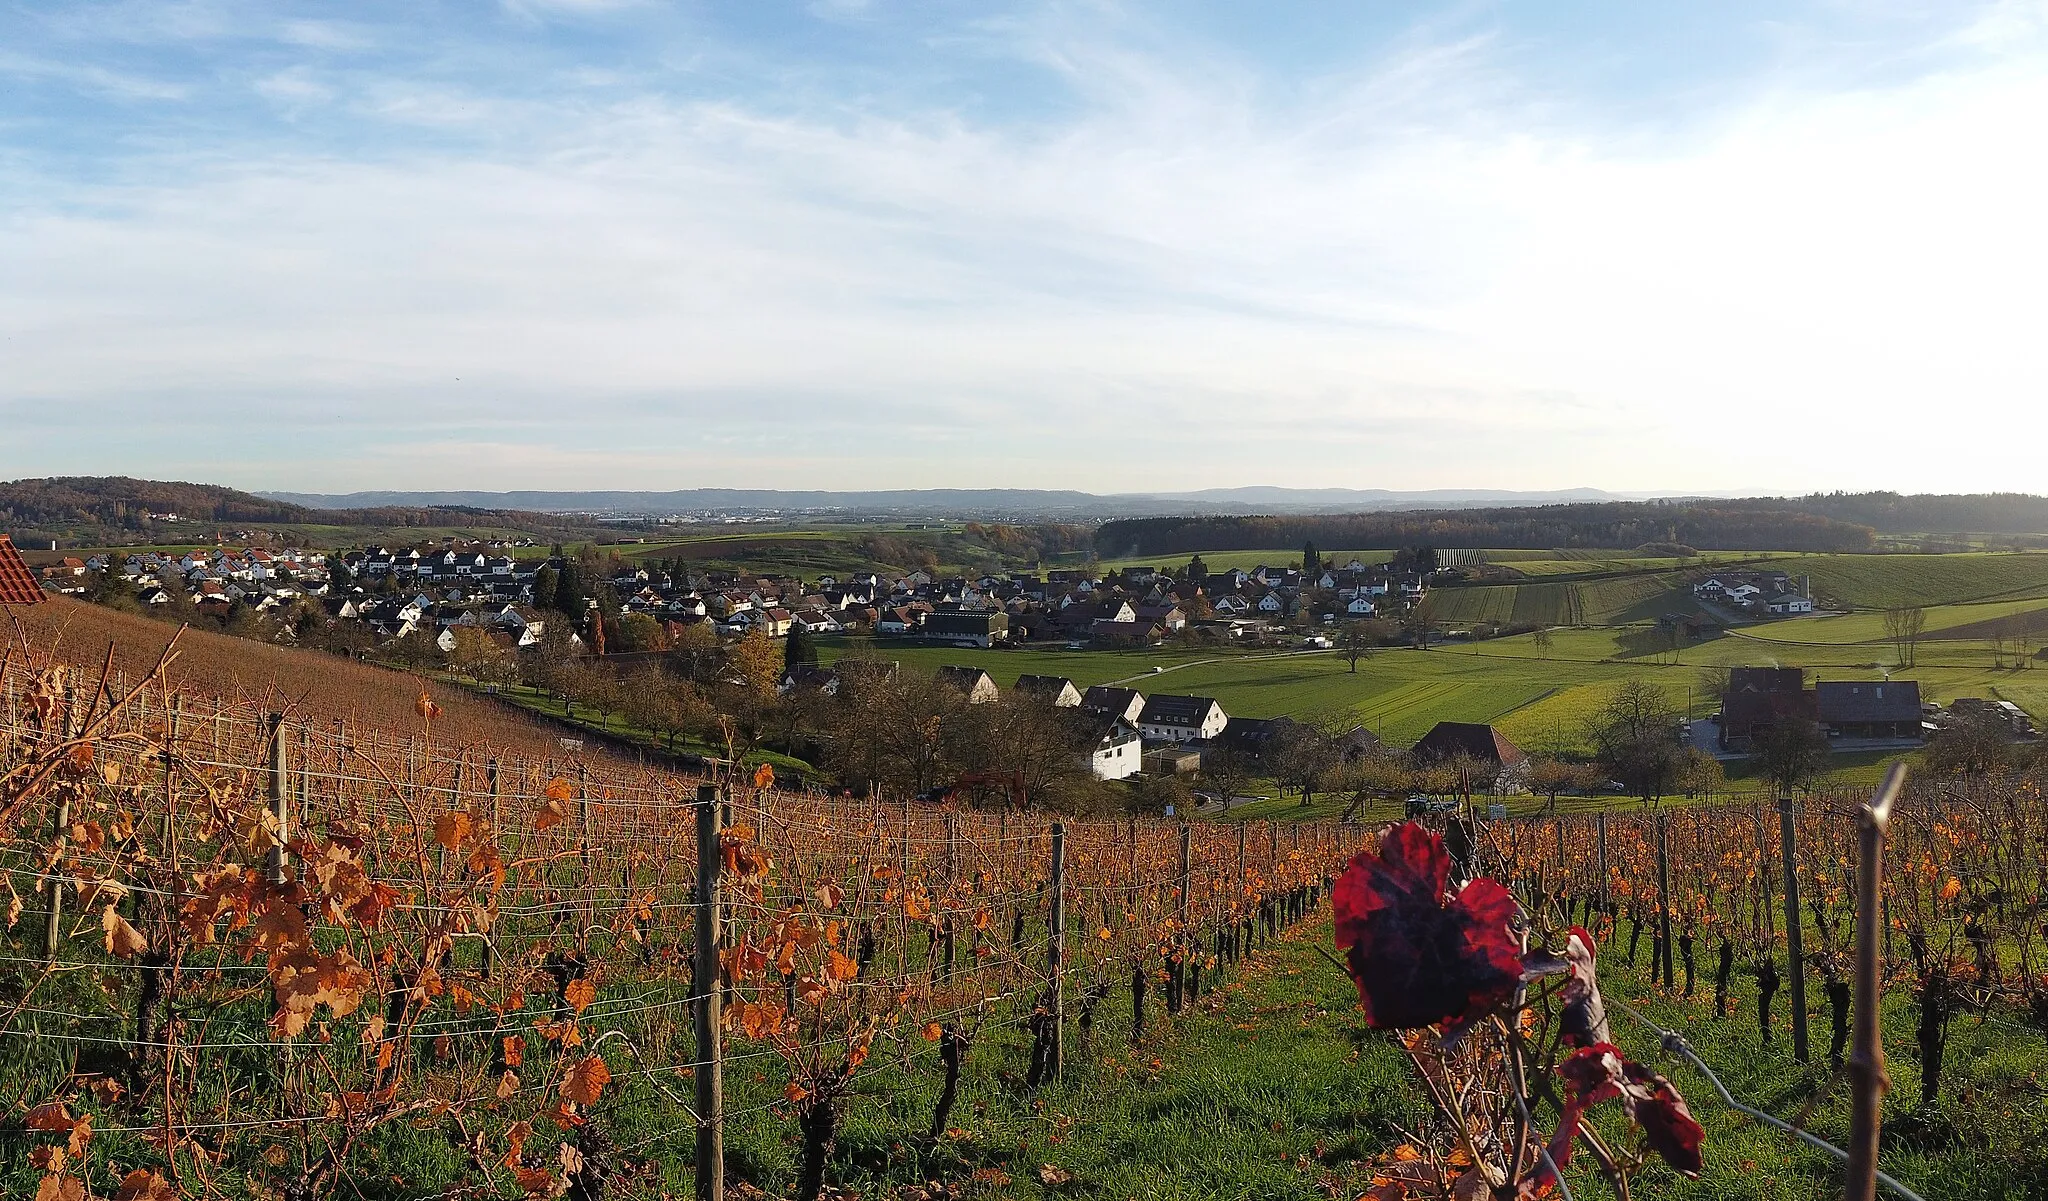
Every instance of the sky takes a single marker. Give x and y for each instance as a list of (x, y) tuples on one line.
[(1733, 247)]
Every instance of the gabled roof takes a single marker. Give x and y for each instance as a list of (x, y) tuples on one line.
[(17, 583), (1043, 685), (1106, 699), (1868, 700), (1176, 710), (1449, 739), (966, 679)]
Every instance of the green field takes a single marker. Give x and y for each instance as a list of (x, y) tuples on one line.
[(1881, 581)]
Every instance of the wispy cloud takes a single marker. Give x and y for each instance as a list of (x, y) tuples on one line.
[(1182, 265)]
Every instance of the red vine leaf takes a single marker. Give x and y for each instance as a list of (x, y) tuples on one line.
[(1418, 958)]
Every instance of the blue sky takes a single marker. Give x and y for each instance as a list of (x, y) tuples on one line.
[(579, 243)]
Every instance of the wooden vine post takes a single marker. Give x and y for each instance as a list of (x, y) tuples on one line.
[(1867, 1080), (490, 956), (1600, 851), (1056, 949), (1794, 944), (279, 791), (710, 1078), (53, 924), (1664, 901)]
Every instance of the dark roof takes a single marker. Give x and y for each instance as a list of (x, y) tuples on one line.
[(966, 679), (1043, 685), (17, 583), (966, 621), (1762, 695), (1176, 710), (1450, 739), (1868, 700), (1098, 729), (1104, 699)]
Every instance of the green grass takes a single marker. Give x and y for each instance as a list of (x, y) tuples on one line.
[(1881, 581)]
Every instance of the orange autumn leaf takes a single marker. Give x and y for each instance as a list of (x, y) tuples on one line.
[(1950, 889), (515, 1050), (829, 896), (579, 994), (50, 1116), (81, 1134), (122, 939), (586, 1079), (453, 828), (764, 776), (933, 1032), (426, 707), (144, 1185)]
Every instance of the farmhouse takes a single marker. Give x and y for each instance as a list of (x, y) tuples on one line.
[(1181, 718), (1449, 741), (1869, 708), (1757, 699)]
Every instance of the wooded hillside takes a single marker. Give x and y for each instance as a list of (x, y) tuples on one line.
[(1732, 525)]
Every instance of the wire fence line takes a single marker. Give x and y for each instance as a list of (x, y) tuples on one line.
[(325, 926)]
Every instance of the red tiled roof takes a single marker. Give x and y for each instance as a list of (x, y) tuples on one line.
[(17, 583)]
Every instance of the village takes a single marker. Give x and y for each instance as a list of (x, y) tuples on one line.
[(395, 594), (457, 604)]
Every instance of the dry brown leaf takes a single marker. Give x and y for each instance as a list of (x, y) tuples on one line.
[(122, 939), (586, 1079)]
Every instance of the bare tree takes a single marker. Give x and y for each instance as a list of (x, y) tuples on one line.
[(1354, 642), (1903, 625), (1793, 753), (1638, 740)]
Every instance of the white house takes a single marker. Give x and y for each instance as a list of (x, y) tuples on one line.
[(1181, 718), (1116, 749)]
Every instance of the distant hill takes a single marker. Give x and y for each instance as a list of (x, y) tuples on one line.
[(116, 500), (1711, 525), (121, 510), (954, 502)]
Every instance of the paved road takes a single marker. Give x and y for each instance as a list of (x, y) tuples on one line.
[(1146, 675)]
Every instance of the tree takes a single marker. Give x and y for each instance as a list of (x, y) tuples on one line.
[(1970, 747), (693, 651), (478, 656), (569, 596), (1225, 772), (798, 650), (1903, 625), (1197, 570), (1699, 773), (1311, 562), (603, 692), (637, 632), (545, 582), (1793, 753), (1637, 738), (1542, 639), (1354, 642), (1421, 620), (1303, 756), (751, 663), (1552, 776), (339, 578)]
